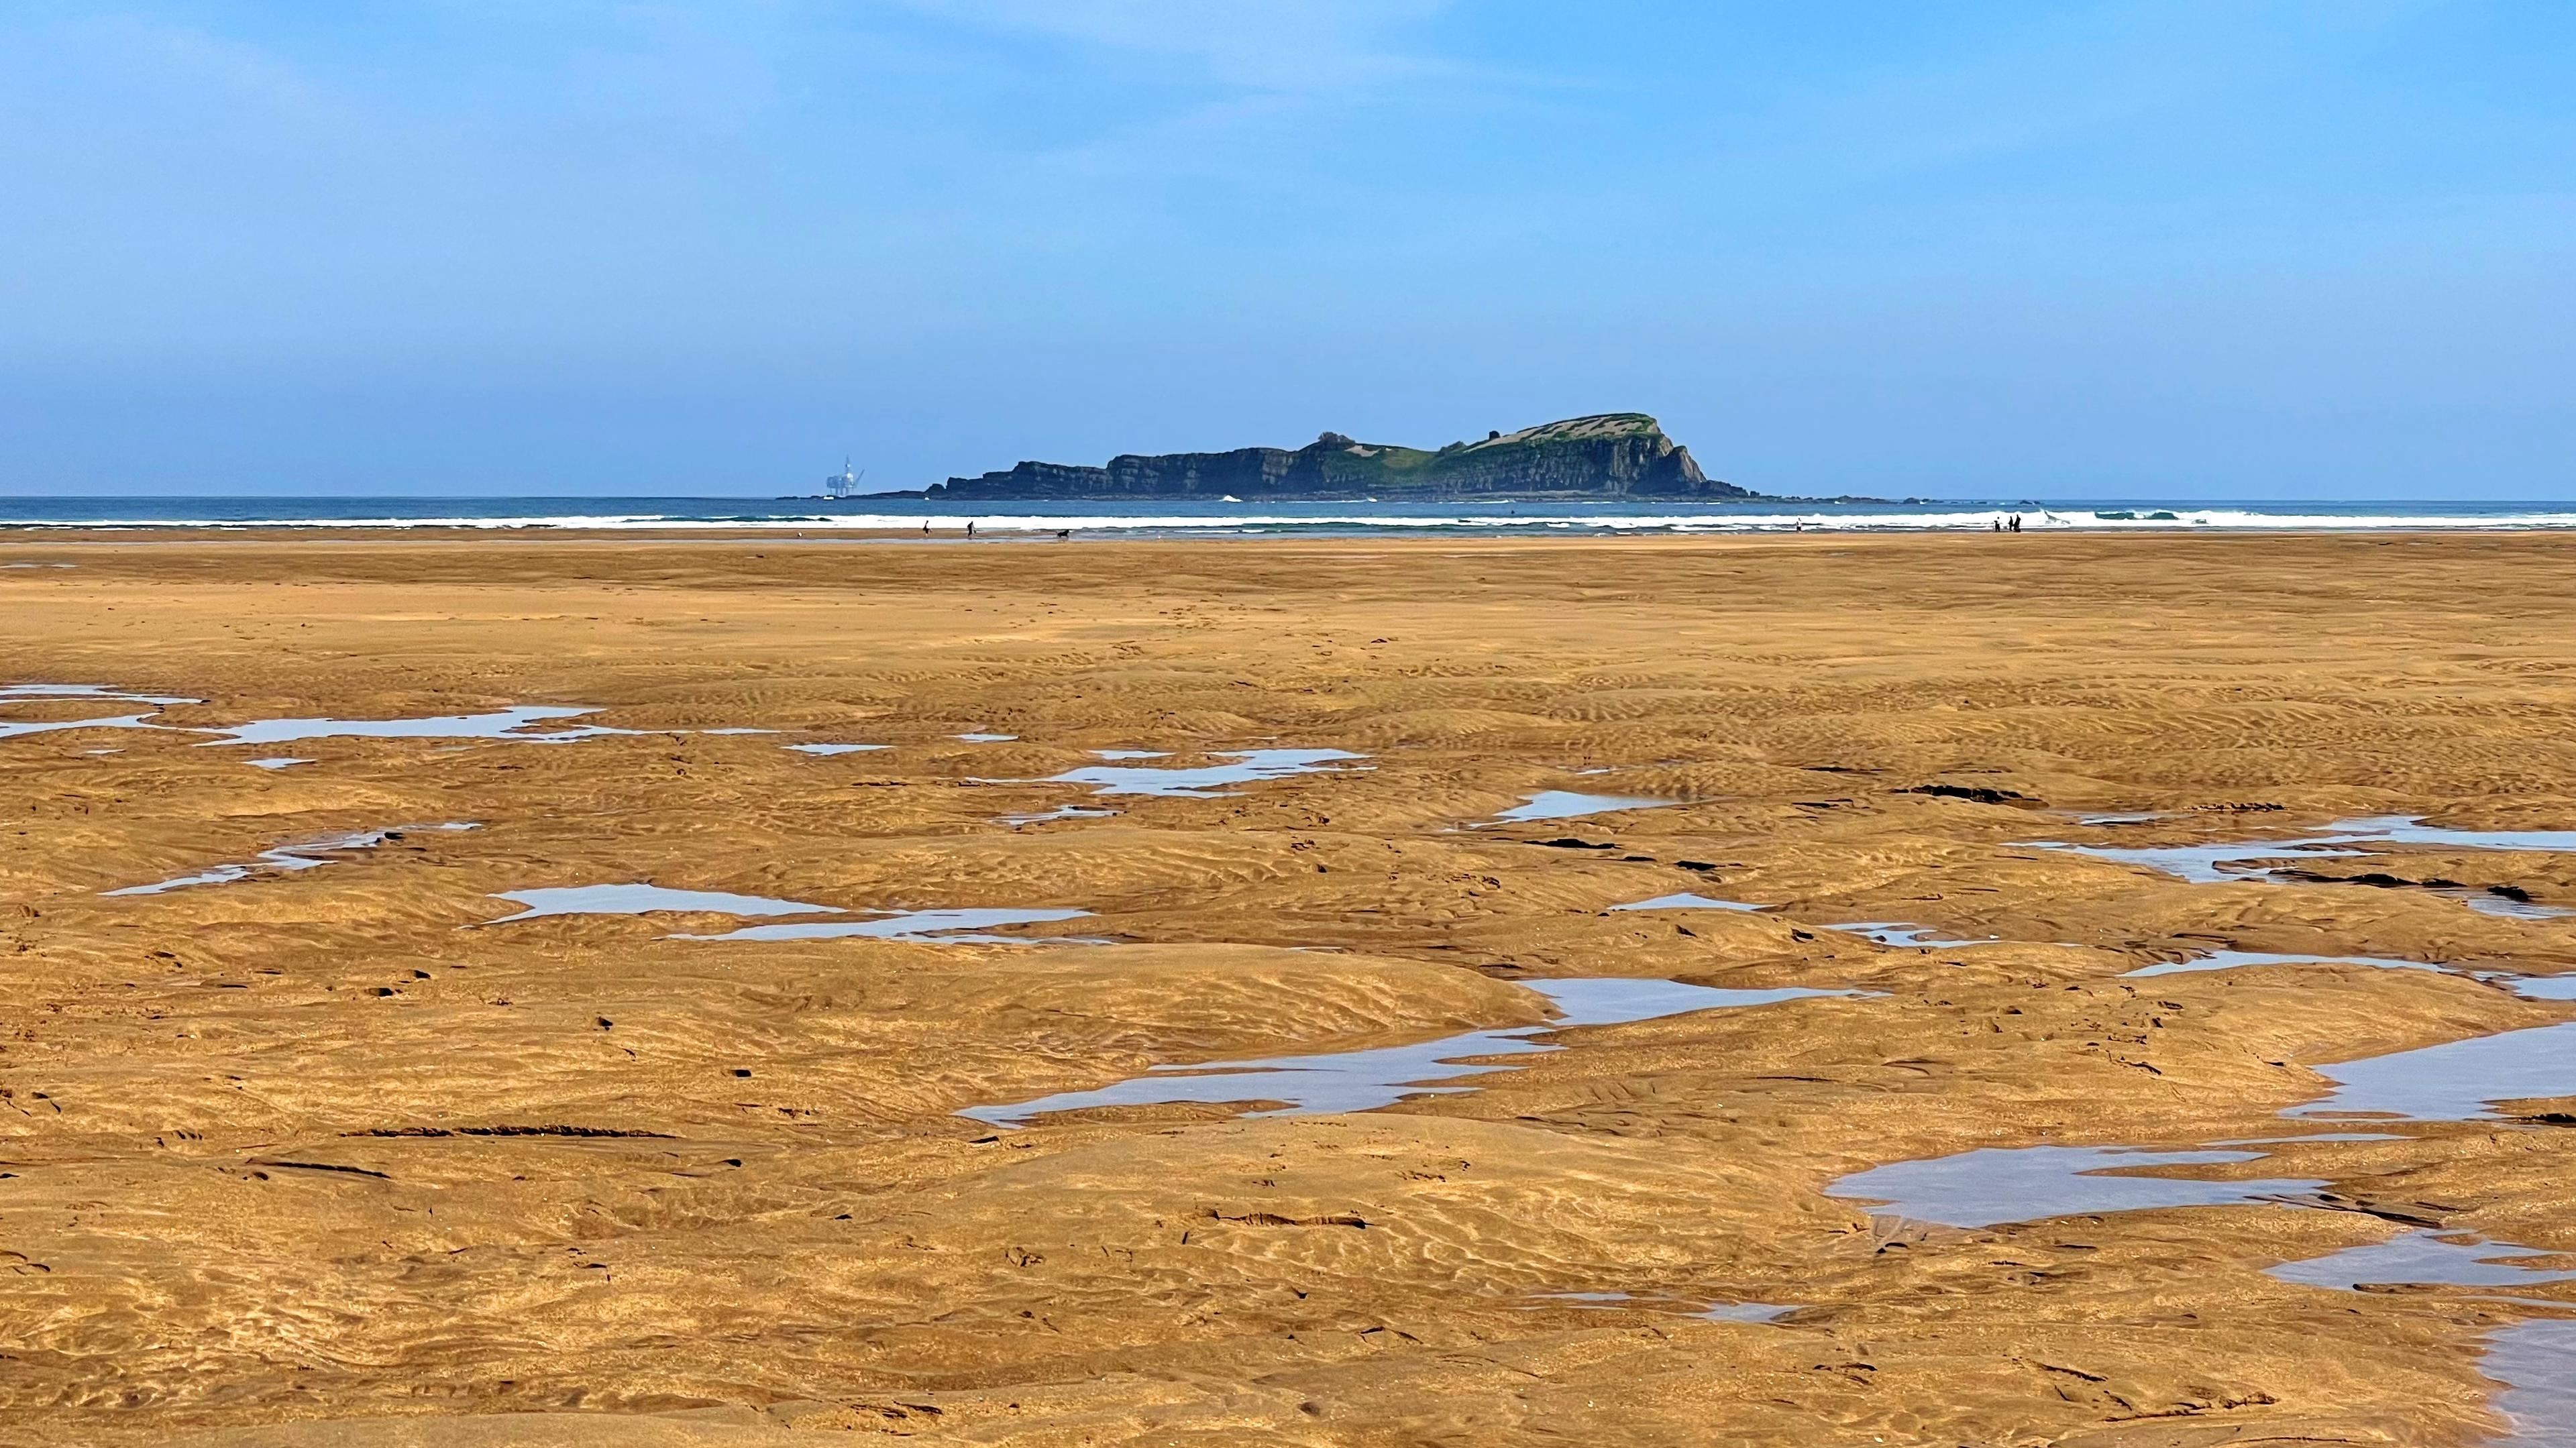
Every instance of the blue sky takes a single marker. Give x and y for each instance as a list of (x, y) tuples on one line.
[(2205, 250)]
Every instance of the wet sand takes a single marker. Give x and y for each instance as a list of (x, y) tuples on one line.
[(321, 1155)]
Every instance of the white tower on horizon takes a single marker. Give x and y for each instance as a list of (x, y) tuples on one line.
[(844, 485)]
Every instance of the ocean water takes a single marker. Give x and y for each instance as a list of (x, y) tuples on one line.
[(1193, 517)]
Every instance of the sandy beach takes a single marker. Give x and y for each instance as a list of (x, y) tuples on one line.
[(313, 1145)]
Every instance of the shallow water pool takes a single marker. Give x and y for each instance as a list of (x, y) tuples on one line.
[(1249, 766), (1686, 901), (1992, 1185), (509, 723), (1566, 804), (1364, 1080), (955, 926), (311, 854), (641, 899)]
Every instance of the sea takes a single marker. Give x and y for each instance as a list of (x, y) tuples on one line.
[(1228, 517)]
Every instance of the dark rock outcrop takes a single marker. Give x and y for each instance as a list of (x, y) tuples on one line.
[(1622, 454)]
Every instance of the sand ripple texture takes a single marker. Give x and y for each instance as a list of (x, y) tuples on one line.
[(326, 1156)]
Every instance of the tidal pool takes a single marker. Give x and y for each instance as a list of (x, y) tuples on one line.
[(1363, 1080), (1992, 1185), (311, 854), (932, 925), (1747, 1311), (1718, 1312), (986, 738), (2456, 1081), (509, 723), (2536, 1361), (12, 728), (640, 899), (2488, 902), (2445, 1259), (1250, 766), (832, 749), (279, 762), (2230, 959), (1060, 812), (1904, 935), (2207, 864), (2529, 987), (1686, 901), (24, 693), (1566, 804)]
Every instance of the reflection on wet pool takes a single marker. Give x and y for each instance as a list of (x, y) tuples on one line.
[(1718, 1312), (2230, 959), (2536, 1361), (828, 750), (2204, 864), (1686, 901), (986, 738), (2457, 1081), (1746, 1312), (308, 855), (2491, 902), (81, 694), (2316, 1136), (2208, 864), (77, 693), (644, 899), (2529, 987), (1566, 804), (2026, 1184), (278, 762), (639, 899), (1249, 766), (2448, 1259), (1364, 1080), (1907, 936), (509, 723), (12, 728), (966, 925), (1060, 812)]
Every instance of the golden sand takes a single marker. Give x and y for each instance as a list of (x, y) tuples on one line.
[(318, 1157)]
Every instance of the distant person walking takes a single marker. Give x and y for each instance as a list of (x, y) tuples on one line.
[(970, 527)]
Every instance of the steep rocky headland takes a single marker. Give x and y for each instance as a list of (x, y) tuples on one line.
[(1619, 454)]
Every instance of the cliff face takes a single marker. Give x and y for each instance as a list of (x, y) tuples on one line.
[(1622, 454)]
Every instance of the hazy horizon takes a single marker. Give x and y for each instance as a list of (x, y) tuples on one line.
[(456, 248)]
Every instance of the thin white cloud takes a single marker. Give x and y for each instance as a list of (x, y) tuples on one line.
[(1271, 45), (244, 71)]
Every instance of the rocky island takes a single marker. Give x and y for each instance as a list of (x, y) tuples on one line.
[(1612, 455)]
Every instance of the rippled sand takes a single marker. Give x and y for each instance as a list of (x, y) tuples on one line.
[(324, 1155)]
